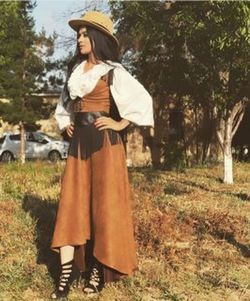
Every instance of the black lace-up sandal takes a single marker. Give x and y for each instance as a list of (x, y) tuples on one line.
[(65, 281), (95, 281)]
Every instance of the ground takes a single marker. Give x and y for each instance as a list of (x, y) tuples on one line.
[(192, 233)]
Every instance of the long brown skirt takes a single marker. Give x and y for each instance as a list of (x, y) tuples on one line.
[(94, 212)]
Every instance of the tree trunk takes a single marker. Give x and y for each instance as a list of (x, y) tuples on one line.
[(208, 131), (156, 155), (228, 126), (228, 164), (197, 153), (227, 150), (224, 134), (157, 134), (206, 152), (153, 142), (22, 143)]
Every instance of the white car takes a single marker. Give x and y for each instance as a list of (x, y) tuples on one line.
[(37, 146)]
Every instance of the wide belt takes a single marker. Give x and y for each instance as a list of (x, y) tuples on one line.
[(86, 118)]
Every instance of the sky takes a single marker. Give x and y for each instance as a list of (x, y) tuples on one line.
[(53, 15)]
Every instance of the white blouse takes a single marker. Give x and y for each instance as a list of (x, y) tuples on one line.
[(133, 101)]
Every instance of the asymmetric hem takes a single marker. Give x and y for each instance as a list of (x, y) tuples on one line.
[(94, 212)]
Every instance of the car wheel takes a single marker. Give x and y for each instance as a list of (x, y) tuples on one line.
[(7, 156), (54, 156)]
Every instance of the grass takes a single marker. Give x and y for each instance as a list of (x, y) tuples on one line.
[(192, 233)]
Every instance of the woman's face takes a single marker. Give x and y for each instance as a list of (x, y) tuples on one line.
[(84, 41)]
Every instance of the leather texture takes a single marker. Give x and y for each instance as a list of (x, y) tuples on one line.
[(95, 200)]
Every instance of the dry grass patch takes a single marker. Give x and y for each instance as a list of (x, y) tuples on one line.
[(192, 233)]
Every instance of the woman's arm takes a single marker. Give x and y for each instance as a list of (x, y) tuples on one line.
[(64, 117), (124, 123), (109, 123), (133, 101)]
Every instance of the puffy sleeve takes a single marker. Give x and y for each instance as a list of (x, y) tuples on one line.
[(133, 101), (63, 116)]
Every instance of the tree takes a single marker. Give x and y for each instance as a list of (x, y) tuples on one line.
[(217, 36), (24, 61), (197, 52), (156, 55)]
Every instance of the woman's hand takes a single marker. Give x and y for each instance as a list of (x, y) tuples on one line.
[(109, 123), (70, 129)]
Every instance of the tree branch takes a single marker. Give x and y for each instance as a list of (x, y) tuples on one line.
[(218, 127), (238, 121), (238, 113), (237, 108), (220, 139)]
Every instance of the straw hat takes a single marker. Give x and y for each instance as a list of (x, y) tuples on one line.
[(96, 20)]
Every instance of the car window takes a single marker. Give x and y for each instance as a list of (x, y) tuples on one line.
[(38, 137), (2, 139), (15, 137), (48, 136), (29, 136)]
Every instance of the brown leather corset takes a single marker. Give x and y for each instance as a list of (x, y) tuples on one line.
[(96, 100)]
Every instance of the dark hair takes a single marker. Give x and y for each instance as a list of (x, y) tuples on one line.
[(104, 48)]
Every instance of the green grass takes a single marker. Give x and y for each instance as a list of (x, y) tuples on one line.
[(192, 233)]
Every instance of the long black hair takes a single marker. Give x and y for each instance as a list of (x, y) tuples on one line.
[(104, 48)]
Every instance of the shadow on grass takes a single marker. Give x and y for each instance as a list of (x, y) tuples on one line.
[(241, 195), (243, 249), (43, 212), (152, 175)]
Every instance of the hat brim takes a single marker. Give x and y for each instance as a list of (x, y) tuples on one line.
[(77, 23)]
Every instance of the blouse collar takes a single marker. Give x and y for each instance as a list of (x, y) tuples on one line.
[(81, 83)]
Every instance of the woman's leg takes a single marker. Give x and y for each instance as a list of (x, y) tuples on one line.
[(95, 280), (67, 256)]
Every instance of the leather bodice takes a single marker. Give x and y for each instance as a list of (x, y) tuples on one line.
[(97, 100)]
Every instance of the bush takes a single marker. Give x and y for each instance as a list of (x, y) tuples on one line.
[(174, 156)]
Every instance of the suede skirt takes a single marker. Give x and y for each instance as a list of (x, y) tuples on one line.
[(94, 210)]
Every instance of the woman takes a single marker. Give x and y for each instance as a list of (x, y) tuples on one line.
[(94, 223)]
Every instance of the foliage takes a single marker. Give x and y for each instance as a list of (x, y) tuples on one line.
[(187, 48), (174, 156), (197, 52), (141, 28), (24, 62), (217, 37)]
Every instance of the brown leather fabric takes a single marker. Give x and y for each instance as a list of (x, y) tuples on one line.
[(96, 100), (86, 138), (95, 206)]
